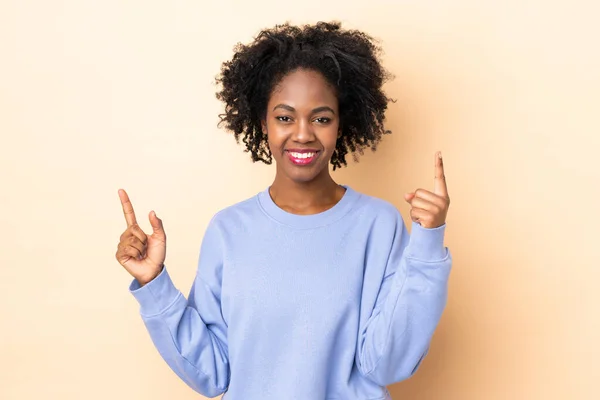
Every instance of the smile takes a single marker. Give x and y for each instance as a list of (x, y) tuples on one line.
[(302, 158)]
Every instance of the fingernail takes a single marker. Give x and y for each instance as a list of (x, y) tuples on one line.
[(440, 154)]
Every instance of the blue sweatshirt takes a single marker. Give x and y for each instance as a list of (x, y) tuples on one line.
[(334, 305)]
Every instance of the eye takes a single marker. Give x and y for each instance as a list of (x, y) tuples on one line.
[(323, 120), (283, 118)]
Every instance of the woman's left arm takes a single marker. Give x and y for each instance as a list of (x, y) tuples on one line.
[(413, 293)]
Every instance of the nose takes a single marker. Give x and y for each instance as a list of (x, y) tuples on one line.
[(304, 132)]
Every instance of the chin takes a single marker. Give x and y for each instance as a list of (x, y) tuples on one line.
[(303, 174), (302, 177)]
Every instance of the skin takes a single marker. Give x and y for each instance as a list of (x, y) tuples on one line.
[(429, 209), (302, 112), (140, 254)]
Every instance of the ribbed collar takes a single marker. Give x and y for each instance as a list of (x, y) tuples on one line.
[(326, 217)]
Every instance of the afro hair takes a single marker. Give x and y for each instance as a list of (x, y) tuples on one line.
[(349, 61)]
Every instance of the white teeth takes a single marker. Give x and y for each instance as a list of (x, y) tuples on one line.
[(302, 155)]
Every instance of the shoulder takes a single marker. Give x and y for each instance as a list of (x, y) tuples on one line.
[(378, 216), (236, 215), (377, 207)]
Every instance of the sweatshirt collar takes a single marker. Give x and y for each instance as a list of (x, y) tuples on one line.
[(326, 217)]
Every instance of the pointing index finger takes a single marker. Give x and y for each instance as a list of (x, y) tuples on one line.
[(127, 208), (439, 185)]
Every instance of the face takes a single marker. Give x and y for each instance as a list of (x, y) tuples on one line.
[(302, 124)]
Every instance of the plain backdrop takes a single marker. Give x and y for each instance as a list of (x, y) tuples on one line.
[(101, 95)]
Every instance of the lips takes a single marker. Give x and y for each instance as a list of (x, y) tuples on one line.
[(302, 157)]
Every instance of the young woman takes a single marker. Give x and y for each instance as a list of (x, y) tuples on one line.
[(310, 289)]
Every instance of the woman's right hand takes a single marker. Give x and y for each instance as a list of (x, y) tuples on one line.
[(142, 255)]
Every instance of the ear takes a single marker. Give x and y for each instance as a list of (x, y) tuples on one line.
[(263, 126), (339, 132)]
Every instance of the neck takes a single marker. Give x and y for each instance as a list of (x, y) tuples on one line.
[(311, 197)]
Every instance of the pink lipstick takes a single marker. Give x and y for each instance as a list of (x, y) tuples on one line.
[(302, 157)]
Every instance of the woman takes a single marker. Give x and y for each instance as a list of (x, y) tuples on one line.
[(308, 290)]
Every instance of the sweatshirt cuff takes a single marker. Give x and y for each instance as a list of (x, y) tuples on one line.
[(156, 296), (427, 244)]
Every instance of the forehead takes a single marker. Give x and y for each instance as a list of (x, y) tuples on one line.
[(304, 88)]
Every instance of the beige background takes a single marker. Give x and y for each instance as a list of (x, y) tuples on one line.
[(95, 96)]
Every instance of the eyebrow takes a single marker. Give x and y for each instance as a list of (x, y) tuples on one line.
[(314, 111)]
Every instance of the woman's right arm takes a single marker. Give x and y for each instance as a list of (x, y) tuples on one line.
[(190, 334)]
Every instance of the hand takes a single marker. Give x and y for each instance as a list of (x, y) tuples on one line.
[(141, 255), (430, 209)]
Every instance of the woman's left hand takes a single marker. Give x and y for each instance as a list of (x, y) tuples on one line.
[(430, 209)]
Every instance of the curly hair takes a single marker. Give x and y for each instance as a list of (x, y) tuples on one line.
[(349, 61)]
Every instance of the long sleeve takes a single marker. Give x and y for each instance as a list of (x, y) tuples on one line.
[(190, 335), (408, 307)]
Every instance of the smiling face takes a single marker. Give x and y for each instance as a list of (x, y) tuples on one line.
[(302, 123)]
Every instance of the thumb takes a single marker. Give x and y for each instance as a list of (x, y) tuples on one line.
[(156, 223), (409, 197)]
